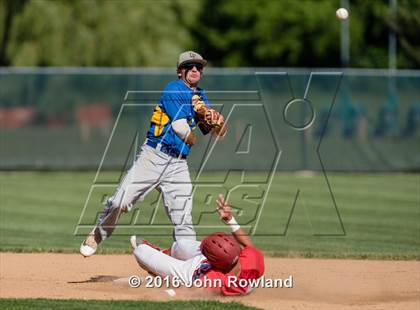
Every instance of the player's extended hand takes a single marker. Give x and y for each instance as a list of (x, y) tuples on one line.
[(223, 209), (199, 106)]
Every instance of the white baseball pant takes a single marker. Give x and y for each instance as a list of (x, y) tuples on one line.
[(172, 266)]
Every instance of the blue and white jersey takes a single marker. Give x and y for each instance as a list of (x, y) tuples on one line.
[(175, 103)]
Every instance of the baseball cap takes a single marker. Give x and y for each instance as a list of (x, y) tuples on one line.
[(190, 56)]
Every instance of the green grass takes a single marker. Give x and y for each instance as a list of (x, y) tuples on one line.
[(39, 211), (44, 304)]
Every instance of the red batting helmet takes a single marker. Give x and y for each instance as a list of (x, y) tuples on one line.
[(221, 250)]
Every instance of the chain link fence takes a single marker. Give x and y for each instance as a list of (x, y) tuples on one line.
[(81, 118)]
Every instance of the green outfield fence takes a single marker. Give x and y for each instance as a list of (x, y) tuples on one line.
[(352, 120)]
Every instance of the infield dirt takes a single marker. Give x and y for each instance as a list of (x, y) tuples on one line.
[(318, 283)]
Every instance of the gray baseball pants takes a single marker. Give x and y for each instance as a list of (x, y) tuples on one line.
[(153, 169)]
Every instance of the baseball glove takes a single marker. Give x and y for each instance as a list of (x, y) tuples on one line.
[(208, 116)]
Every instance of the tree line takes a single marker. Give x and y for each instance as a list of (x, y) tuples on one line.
[(256, 33)]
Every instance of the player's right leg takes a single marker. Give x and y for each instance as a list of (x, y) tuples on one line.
[(177, 194), (163, 265), (140, 179)]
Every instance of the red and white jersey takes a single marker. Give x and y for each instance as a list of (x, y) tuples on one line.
[(252, 268)]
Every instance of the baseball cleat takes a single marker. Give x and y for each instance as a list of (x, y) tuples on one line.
[(91, 243), (86, 250), (135, 241)]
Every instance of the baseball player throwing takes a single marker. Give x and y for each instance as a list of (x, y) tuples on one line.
[(162, 163), (230, 259)]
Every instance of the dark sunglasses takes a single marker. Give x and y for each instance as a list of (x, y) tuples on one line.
[(191, 65)]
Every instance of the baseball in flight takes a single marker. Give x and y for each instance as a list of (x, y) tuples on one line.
[(342, 14)]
